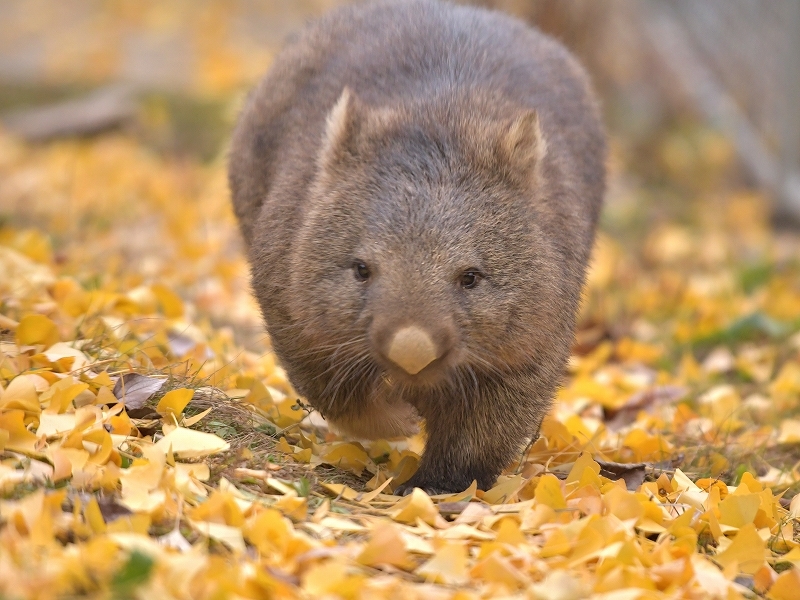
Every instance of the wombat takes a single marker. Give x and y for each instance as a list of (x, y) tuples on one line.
[(418, 185)]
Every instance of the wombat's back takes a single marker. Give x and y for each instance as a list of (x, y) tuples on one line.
[(403, 51)]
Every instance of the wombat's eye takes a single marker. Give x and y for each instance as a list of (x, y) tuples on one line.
[(361, 271), (469, 279)]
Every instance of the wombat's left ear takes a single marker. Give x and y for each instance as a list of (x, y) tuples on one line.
[(522, 144), (342, 129)]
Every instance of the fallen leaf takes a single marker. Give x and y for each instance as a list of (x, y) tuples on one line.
[(786, 585), (747, 550), (36, 329), (18, 437), (789, 432), (448, 565), (189, 443), (417, 505), (174, 401), (739, 510), (548, 492), (21, 394), (62, 350), (632, 474), (386, 547), (134, 389), (559, 585), (347, 456)]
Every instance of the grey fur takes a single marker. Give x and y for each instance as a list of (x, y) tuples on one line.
[(462, 139)]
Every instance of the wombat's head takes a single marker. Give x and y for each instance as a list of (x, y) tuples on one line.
[(430, 252)]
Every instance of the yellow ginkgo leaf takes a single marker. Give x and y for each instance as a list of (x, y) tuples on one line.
[(174, 402), (189, 443), (584, 463), (447, 566), (21, 394), (789, 431), (786, 585), (168, 301), (36, 330), (556, 544), (19, 438), (347, 456), (548, 492), (339, 490), (417, 505), (496, 568), (737, 510), (747, 550), (51, 425), (386, 547), (623, 504)]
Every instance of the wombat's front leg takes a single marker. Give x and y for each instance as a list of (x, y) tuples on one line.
[(474, 438)]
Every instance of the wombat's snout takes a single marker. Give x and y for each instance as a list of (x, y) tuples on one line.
[(414, 347)]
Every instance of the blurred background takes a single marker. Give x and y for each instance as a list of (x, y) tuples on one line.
[(173, 73)]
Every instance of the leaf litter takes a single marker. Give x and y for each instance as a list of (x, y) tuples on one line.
[(151, 445)]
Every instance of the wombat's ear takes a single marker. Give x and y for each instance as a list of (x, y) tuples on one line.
[(342, 129), (522, 143)]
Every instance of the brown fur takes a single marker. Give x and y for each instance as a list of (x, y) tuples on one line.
[(422, 139)]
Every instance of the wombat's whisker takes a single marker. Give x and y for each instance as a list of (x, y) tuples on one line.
[(464, 394), (473, 358), (363, 353), (359, 375), (344, 373), (336, 347), (336, 368)]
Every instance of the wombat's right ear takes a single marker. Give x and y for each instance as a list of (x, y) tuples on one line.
[(341, 130), (522, 143)]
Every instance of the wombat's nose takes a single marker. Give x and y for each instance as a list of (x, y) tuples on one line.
[(412, 349)]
